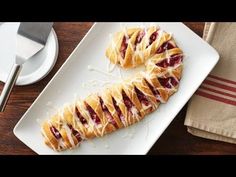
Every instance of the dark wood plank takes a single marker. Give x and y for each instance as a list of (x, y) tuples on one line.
[(175, 140)]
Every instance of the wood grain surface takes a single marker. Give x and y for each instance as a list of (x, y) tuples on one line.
[(175, 140)]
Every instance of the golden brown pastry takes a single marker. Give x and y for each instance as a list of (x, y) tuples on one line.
[(132, 47), (122, 104)]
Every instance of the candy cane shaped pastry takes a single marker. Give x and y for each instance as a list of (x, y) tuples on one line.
[(122, 104)]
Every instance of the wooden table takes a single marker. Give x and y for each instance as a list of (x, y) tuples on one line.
[(175, 140)]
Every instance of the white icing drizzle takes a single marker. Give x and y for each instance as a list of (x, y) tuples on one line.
[(124, 29), (110, 67), (61, 144), (78, 122), (91, 68), (46, 137), (90, 83), (160, 98), (146, 107), (69, 134), (90, 122), (123, 120), (99, 127), (65, 127), (49, 103), (113, 45), (142, 25), (39, 121), (121, 76), (107, 146), (135, 112), (97, 82), (75, 119), (159, 37)]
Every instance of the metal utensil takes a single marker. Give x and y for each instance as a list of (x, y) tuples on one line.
[(31, 38)]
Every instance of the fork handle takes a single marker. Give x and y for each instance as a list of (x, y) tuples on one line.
[(11, 80)]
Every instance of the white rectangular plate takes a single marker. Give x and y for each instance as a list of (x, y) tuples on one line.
[(74, 78)]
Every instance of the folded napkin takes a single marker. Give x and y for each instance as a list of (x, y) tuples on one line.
[(211, 111)]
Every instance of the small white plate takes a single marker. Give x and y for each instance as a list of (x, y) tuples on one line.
[(35, 68), (74, 76)]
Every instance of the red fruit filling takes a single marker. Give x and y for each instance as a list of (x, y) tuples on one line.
[(128, 103), (81, 118), (75, 133), (154, 91), (142, 98), (168, 82), (55, 132), (117, 108), (175, 59), (164, 63), (165, 46), (152, 38), (139, 38), (124, 46), (172, 61), (93, 115), (108, 114)]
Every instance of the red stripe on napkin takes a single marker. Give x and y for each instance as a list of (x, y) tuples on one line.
[(226, 87), (217, 91), (216, 98), (221, 79)]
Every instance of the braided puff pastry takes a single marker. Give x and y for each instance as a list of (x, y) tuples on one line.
[(132, 47), (117, 106)]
